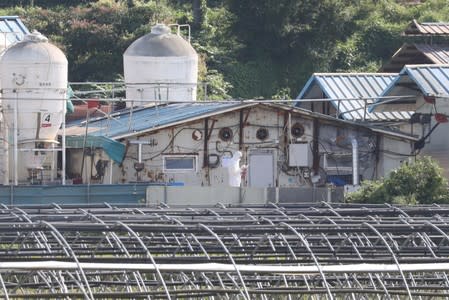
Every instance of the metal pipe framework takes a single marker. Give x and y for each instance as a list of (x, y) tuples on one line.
[(293, 251)]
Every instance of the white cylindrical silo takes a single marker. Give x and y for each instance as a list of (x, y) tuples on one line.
[(160, 66), (33, 77), (3, 42)]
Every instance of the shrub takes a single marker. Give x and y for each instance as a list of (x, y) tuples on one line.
[(418, 182)]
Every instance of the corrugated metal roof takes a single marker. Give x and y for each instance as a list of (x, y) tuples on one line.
[(427, 28), (13, 29), (416, 54), (145, 119), (154, 118), (430, 79), (338, 86), (439, 54)]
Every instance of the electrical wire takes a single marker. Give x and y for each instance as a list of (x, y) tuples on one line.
[(230, 101), (397, 153)]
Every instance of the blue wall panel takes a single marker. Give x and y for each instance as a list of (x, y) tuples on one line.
[(74, 194)]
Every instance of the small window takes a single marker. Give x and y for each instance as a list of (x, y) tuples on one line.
[(180, 163)]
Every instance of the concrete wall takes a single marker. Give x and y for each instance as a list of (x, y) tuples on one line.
[(233, 196)]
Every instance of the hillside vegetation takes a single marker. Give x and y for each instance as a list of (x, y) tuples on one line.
[(248, 49)]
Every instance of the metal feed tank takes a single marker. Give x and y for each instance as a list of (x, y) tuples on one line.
[(160, 66), (33, 77)]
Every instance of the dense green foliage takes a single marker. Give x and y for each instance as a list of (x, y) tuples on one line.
[(418, 182), (248, 48)]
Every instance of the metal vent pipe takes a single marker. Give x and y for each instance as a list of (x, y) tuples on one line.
[(355, 161)]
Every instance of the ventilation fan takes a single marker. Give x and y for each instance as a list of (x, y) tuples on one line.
[(297, 130), (262, 134), (225, 134)]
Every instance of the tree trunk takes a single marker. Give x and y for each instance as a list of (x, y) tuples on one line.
[(199, 13)]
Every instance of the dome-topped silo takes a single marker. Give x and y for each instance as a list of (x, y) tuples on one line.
[(160, 66), (33, 77)]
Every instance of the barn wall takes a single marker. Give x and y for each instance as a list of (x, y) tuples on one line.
[(334, 148), (437, 145), (178, 140), (394, 153)]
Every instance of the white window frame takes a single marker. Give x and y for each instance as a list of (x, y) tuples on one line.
[(195, 163)]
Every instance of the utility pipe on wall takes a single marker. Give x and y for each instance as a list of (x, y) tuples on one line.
[(355, 161), (139, 153), (5, 136)]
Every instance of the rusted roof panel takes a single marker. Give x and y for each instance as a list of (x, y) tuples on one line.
[(416, 54), (140, 120), (439, 54), (427, 28)]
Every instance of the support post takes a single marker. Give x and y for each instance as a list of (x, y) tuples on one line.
[(206, 141), (16, 133), (241, 130), (84, 143), (53, 158), (63, 154), (315, 146), (111, 162)]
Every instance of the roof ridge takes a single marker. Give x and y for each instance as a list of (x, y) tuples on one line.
[(354, 73), (426, 66)]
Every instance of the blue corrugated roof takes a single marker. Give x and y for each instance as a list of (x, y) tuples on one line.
[(144, 119), (430, 79), (13, 29), (338, 86), (154, 118)]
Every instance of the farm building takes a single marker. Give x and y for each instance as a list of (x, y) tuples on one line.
[(429, 87), (348, 96), (407, 95), (429, 48), (416, 54), (85, 244), (427, 29), (190, 144)]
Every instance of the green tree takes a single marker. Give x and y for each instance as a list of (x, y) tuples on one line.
[(248, 48), (418, 182), (296, 36)]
